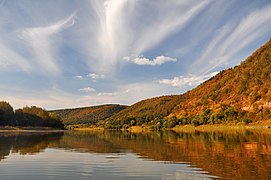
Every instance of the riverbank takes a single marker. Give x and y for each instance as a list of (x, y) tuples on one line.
[(259, 126), (223, 128), (29, 129)]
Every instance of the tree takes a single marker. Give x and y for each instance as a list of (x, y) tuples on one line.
[(35, 116), (6, 113)]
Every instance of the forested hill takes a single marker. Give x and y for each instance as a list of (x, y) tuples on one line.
[(143, 112), (88, 115), (245, 88), (242, 93)]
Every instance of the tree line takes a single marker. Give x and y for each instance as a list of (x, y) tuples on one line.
[(27, 116), (223, 114)]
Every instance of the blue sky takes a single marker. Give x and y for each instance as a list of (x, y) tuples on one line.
[(69, 53)]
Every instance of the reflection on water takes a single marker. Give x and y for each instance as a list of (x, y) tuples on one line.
[(125, 155), (26, 143)]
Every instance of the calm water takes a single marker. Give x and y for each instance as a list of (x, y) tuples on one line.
[(124, 155)]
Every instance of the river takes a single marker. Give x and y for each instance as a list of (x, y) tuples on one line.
[(145, 155)]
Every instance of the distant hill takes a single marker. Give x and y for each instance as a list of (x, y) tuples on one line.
[(144, 111), (88, 115), (239, 94)]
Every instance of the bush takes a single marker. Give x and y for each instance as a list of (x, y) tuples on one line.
[(195, 122), (247, 121)]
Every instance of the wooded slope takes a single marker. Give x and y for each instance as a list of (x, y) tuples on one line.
[(239, 94), (88, 115)]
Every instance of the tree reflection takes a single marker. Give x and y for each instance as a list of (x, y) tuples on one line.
[(235, 155), (26, 143)]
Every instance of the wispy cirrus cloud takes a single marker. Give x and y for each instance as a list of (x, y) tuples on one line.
[(56, 98), (127, 27), (190, 80), (11, 59), (45, 43), (171, 17), (232, 39), (145, 61), (42, 44)]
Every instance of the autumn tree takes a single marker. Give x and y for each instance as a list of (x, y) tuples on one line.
[(6, 113)]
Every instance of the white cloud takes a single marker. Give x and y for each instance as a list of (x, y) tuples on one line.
[(79, 77), (42, 44), (87, 90), (105, 32), (92, 76), (47, 98), (95, 76), (170, 18), (108, 94), (191, 80), (156, 61), (11, 59), (127, 27), (230, 40), (55, 98), (113, 93)]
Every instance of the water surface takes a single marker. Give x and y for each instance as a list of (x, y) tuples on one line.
[(125, 155)]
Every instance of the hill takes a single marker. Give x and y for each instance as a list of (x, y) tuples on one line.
[(88, 115), (239, 94), (143, 112)]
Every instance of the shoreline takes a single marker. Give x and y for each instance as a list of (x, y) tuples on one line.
[(188, 128), (259, 126), (4, 129), (222, 128)]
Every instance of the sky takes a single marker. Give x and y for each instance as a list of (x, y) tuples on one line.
[(67, 53)]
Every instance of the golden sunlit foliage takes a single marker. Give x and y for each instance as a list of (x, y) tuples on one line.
[(239, 94), (143, 112), (244, 89)]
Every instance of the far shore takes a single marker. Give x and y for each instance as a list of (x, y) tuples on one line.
[(29, 129), (223, 127), (258, 126)]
